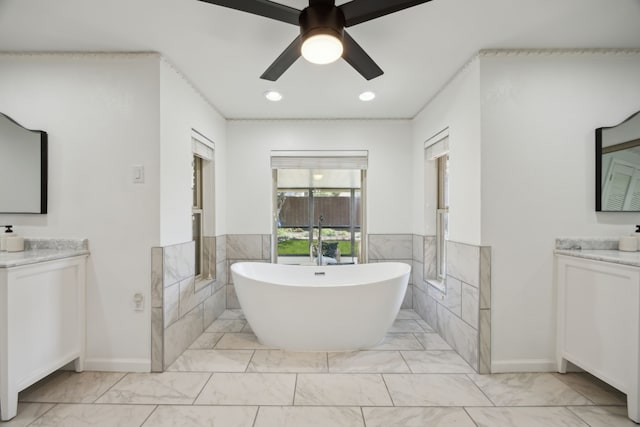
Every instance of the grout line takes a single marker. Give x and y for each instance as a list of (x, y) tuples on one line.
[(424, 347), (387, 387), (295, 389), (405, 361), (464, 408), (249, 362), (481, 390), (149, 416), (255, 417), (113, 385), (41, 415), (364, 421), (202, 389)]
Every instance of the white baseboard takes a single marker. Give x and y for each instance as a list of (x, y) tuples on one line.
[(118, 365), (523, 365)]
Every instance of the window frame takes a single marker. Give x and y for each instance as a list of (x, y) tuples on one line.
[(442, 215), (197, 209)]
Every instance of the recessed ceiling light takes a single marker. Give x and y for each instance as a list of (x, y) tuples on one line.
[(367, 96), (272, 95)]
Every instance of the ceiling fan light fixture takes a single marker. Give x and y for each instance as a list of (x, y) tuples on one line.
[(322, 49)]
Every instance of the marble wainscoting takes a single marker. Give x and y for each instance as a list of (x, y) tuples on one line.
[(244, 247), (183, 307), (461, 312), (397, 248)]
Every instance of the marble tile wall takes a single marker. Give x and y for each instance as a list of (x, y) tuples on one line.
[(181, 306), (244, 247), (461, 313), (395, 247)]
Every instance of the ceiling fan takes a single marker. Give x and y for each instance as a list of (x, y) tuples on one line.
[(322, 38)]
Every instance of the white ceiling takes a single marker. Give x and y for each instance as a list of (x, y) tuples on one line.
[(223, 52)]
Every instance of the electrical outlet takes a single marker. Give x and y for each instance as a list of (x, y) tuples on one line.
[(138, 302)]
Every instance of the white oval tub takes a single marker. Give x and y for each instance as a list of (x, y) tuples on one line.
[(346, 307)]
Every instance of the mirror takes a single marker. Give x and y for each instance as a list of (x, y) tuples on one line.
[(23, 168), (618, 166)]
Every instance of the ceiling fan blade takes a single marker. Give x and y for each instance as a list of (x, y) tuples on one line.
[(328, 2), (265, 8), (284, 61), (358, 11), (358, 59)]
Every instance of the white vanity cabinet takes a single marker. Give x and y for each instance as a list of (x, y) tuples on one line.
[(598, 318), (42, 319)]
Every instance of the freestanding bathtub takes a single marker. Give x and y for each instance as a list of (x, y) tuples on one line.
[(328, 308)]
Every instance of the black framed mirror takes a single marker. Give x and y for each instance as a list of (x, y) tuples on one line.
[(23, 168), (618, 166)]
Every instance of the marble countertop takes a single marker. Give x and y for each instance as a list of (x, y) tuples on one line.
[(41, 250), (606, 255)]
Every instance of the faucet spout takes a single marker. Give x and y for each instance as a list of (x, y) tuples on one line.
[(320, 220)]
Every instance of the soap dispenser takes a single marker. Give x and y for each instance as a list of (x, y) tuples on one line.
[(13, 242), (3, 237), (637, 234)]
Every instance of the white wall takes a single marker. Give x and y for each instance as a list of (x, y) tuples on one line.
[(457, 108), (539, 115), (101, 115), (181, 110), (389, 182), (522, 137), (105, 113)]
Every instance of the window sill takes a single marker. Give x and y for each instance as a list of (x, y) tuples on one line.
[(440, 285)]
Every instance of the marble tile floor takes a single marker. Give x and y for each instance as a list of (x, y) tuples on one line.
[(227, 378)]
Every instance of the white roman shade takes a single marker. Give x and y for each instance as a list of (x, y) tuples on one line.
[(201, 145), (319, 159), (437, 145)]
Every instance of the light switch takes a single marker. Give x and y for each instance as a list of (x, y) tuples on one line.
[(137, 172)]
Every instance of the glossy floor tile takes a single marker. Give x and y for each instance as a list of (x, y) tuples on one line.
[(603, 416), (248, 389), (228, 378), (69, 387), (436, 362), (202, 416), (593, 389), (367, 362), (434, 390), (416, 417), (212, 361), (529, 417), (167, 388), (309, 416), (341, 390), (80, 415), (400, 341), (288, 361), (206, 341), (528, 389)]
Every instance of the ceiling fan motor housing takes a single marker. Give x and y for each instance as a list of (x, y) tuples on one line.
[(322, 18)]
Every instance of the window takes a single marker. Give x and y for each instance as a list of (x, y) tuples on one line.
[(298, 210), (319, 182), (442, 217), (203, 208), (437, 206), (197, 213)]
